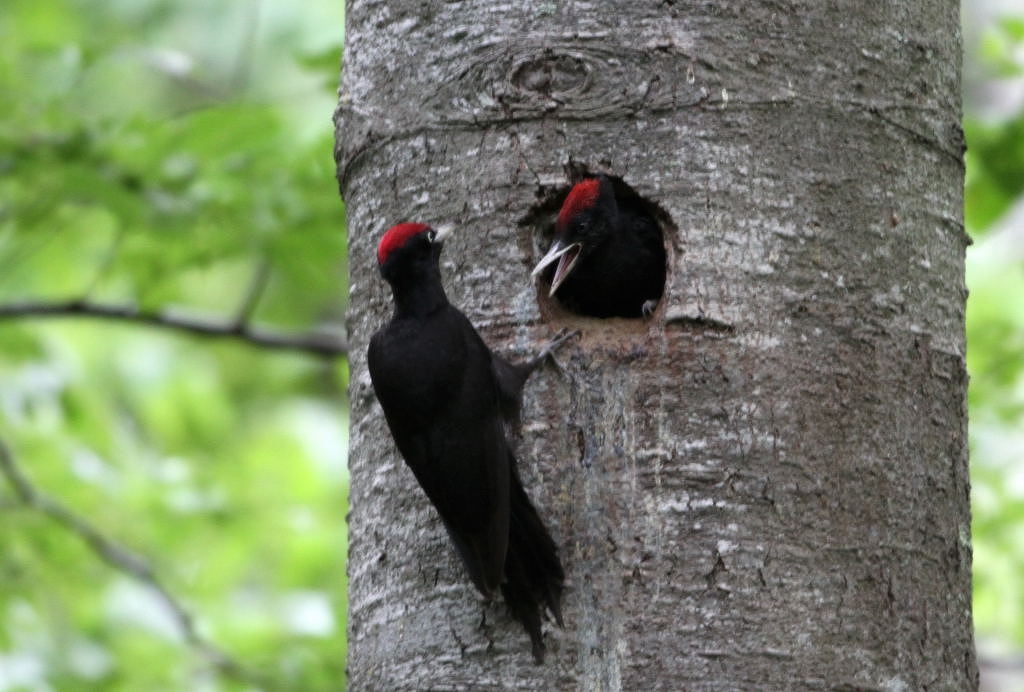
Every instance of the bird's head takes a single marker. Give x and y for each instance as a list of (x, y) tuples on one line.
[(410, 250), (586, 219)]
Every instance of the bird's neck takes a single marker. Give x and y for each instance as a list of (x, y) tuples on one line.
[(420, 297)]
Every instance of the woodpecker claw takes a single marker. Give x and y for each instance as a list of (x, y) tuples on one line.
[(560, 338), (548, 352), (647, 309)]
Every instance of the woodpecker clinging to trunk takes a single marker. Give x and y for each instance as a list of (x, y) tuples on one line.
[(610, 254), (448, 400)]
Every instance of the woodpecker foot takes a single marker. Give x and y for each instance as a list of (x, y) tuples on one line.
[(554, 345), (562, 336), (647, 309)]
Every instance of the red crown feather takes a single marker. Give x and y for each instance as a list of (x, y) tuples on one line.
[(582, 196), (396, 237)]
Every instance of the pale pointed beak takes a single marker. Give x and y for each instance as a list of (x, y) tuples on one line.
[(442, 231), (566, 256)]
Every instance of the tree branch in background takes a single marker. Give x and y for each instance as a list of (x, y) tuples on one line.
[(316, 343), (122, 560)]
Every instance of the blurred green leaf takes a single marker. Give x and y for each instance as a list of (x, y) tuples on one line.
[(995, 171), (157, 153), (995, 355)]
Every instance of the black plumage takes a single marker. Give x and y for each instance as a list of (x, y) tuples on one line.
[(449, 401), (609, 251)]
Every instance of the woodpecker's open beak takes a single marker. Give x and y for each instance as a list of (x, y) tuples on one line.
[(566, 256), (441, 232)]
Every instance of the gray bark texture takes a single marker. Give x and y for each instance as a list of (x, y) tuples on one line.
[(763, 486)]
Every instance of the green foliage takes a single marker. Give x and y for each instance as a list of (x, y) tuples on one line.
[(995, 335), (995, 150), (999, 47), (995, 170), (163, 154), (995, 356)]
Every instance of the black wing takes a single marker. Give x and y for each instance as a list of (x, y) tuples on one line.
[(434, 381)]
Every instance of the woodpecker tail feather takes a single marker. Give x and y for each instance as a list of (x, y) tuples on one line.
[(534, 578)]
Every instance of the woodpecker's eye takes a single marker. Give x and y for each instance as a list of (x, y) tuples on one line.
[(431, 235)]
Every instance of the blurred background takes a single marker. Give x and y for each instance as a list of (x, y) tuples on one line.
[(180, 518), (172, 472), (993, 90)]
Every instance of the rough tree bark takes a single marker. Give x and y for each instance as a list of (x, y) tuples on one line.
[(765, 485)]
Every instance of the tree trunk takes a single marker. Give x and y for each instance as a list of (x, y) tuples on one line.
[(764, 486)]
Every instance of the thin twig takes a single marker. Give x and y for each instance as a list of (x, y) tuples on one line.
[(122, 560), (318, 343), (109, 257), (253, 293)]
